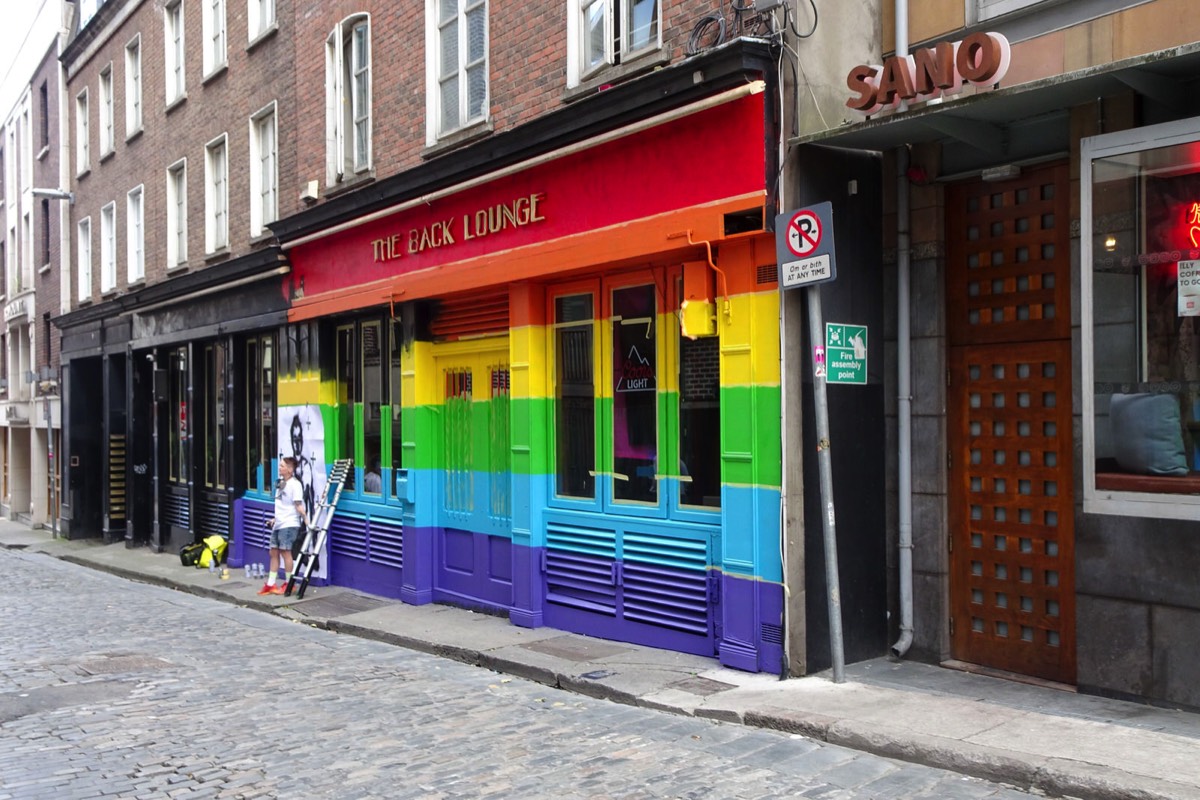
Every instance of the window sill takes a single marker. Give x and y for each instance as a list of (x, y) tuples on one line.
[(136, 133), (45, 151), (106, 156), (463, 136), (219, 254), (350, 184), (43, 269), (262, 238), (177, 269), (632, 67), (266, 33), (83, 173), (137, 284), (216, 72), (83, 301), (176, 103), (108, 294)]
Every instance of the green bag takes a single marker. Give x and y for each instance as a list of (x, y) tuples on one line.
[(214, 551)]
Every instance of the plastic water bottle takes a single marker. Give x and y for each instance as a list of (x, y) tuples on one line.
[(212, 566), (248, 570), (262, 570)]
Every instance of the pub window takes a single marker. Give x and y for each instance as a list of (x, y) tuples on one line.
[(1141, 320), (177, 413), (395, 396), (635, 393), (260, 408), (575, 395), (214, 416), (373, 376), (347, 393), (699, 421)]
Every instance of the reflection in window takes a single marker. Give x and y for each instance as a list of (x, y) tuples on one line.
[(260, 411), (635, 394), (177, 413), (347, 395), (699, 422), (574, 409), (372, 400), (1145, 305), (396, 399), (214, 416)]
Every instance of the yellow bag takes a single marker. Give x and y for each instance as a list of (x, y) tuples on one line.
[(214, 551)]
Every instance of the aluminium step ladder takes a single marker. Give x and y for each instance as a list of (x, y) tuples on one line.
[(314, 537)]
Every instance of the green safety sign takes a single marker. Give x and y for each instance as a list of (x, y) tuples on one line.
[(846, 353)]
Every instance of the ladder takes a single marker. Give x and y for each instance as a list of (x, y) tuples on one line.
[(318, 527)]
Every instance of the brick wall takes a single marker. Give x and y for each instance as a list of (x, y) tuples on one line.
[(47, 263), (220, 105)]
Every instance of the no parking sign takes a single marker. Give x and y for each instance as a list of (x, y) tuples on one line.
[(804, 246)]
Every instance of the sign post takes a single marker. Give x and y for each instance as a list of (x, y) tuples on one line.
[(804, 247)]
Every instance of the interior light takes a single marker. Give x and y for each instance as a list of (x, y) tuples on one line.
[(1110, 243)]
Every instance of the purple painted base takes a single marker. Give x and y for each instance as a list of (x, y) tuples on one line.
[(752, 630), (366, 577)]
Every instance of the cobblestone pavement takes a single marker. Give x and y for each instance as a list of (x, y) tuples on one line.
[(111, 688)]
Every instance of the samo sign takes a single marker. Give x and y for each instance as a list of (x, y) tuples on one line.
[(981, 59)]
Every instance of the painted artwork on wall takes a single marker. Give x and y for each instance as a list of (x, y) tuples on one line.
[(302, 436)]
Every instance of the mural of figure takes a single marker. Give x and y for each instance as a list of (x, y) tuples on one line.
[(303, 438)]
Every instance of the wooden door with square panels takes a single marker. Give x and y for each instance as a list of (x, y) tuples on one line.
[(1011, 505)]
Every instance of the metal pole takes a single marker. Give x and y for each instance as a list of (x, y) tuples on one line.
[(816, 335), (53, 473)]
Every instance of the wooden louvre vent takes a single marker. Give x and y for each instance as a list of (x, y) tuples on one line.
[(463, 316)]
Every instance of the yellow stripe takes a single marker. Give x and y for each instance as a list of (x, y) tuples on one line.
[(750, 340)]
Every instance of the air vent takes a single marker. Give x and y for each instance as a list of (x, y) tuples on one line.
[(471, 314), (748, 221), (768, 274)]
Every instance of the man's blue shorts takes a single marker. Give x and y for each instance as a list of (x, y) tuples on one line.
[(284, 538)]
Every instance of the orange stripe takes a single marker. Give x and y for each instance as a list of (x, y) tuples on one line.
[(626, 244)]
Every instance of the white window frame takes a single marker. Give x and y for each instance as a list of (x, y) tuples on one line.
[(83, 134), (437, 81), (175, 52), (177, 219), (984, 10), (135, 234), (108, 139), (345, 84), (1117, 503), (83, 258), (264, 168), (133, 86), (216, 194), (260, 17), (108, 248), (618, 48), (215, 40)]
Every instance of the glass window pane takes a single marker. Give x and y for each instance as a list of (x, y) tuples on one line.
[(450, 103), (347, 395), (449, 48), (699, 421), (476, 91), (476, 34), (372, 398), (643, 23), (594, 48), (395, 397), (635, 394), (575, 395)]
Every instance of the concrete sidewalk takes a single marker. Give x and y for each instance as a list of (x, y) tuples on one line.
[(1041, 739)]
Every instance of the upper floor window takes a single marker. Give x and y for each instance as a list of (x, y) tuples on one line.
[(44, 115), (264, 178), (106, 111), (135, 235), (83, 158), (457, 65), (1140, 309), (348, 99), (216, 196), (177, 227), (214, 35), (990, 9), (133, 86), (108, 247), (260, 16), (603, 33), (44, 230), (83, 257), (173, 48)]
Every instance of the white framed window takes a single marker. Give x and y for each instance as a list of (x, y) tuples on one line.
[(106, 111), (603, 33), (133, 86), (173, 47), (348, 99), (135, 238), (1140, 311), (456, 65), (264, 170), (260, 17), (990, 9), (83, 157), (108, 247), (83, 257), (214, 35), (177, 227), (216, 195)]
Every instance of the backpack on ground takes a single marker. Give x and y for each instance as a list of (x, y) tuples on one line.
[(213, 551), (189, 554)]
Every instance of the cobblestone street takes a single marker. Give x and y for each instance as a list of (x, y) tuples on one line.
[(118, 689)]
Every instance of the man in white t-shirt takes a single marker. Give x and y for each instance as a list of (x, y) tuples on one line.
[(285, 525)]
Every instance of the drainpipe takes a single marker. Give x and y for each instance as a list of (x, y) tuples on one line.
[(903, 369)]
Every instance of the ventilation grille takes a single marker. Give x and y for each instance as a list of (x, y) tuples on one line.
[(385, 540), (473, 314), (348, 536), (174, 510), (213, 518), (772, 634), (768, 274), (254, 525)]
